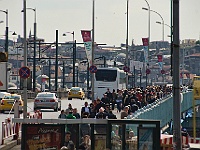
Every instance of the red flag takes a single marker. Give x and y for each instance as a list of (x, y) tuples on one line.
[(145, 41), (86, 35), (159, 58)]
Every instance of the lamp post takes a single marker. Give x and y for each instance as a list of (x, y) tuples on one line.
[(34, 54), (160, 17), (126, 64), (149, 24), (171, 40), (25, 62), (93, 16), (14, 34), (6, 44), (74, 55)]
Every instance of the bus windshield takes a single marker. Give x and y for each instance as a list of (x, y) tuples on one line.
[(106, 75)]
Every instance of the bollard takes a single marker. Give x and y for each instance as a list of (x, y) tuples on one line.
[(16, 115)]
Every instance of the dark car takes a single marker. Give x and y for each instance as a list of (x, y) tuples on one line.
[(47, 100)]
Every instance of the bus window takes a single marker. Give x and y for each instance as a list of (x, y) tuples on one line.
[(122, 78), (106, 75)]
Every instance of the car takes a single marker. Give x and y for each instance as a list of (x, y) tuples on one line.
[(7, 102), (76, 92), (47, 100), (3, 94)]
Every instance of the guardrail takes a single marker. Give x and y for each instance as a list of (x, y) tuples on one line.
[(162, 109), (9, 130)]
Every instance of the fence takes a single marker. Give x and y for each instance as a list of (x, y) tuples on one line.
[(10, 129)]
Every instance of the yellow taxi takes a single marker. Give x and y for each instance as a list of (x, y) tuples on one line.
[(8, 101), (76, 92)]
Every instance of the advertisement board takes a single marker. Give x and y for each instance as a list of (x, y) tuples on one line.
[(3, 82), (43, 136)]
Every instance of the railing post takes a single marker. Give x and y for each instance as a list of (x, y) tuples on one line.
[(16, 115)]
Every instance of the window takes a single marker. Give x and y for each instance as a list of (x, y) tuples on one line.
[(106, 75)]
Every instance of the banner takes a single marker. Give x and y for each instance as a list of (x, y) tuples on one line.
[(146, 49), (160, 61), (86, 35)]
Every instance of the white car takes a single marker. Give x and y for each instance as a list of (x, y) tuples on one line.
[(47, 100)]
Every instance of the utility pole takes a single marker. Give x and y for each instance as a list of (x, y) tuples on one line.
[(92, 81), (74, 62), (56, 67), (177, 144), (25, 64)]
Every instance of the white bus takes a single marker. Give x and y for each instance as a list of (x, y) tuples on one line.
[(112, 78)]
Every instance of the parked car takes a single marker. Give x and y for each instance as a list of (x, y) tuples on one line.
[(47, 100), (76, 92), (7, 102)]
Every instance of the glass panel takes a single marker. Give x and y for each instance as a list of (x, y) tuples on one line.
[(106, 75), (131, 137), (116, 137)]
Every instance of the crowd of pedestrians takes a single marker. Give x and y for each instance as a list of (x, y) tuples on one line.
[(125, 101)]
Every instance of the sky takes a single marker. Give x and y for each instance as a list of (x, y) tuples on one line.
[(110, 19)]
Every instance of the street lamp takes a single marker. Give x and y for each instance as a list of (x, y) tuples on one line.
[(171, 40), (6, 43), (14, 34), (74, 55), (160, 17), (126, 64), (148, 19), (34, 55)]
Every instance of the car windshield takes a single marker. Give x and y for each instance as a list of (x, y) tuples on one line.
[(45, 95), (17, 97), (75, 89)]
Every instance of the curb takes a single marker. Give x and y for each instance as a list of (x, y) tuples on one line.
[(8, 145)]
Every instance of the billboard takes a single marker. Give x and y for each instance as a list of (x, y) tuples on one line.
[(3, 78), (43, 136)]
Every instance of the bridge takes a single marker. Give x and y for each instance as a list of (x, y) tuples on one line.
[(162, 109)]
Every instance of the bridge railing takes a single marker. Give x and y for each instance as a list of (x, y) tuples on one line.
[(162, 109)]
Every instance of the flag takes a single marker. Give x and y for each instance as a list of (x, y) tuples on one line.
[(86, 35), (146, 49)]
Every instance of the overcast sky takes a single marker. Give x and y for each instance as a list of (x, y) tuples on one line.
[(110, 19)]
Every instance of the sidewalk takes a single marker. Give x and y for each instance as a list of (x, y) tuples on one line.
[(11, 145)]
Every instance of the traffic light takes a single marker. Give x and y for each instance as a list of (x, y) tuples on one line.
[(3, 57)]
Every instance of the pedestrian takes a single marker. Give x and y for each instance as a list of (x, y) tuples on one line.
[(76, 114), (119, 101), (85, 109), (114, 97), (68, 142), (69, 109), (62, 115), (70, 115)]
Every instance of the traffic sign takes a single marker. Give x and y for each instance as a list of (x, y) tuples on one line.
[(24, 72), (93, 69), (148, 71), (162, 71), (126, 69)]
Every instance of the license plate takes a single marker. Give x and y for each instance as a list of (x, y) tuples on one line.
[(10, 102)]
